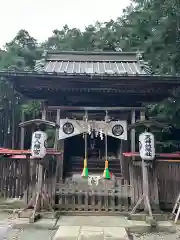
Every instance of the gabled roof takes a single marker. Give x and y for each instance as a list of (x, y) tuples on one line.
[(92, 63), (92, 79)]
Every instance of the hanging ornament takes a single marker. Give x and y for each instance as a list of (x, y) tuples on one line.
[(85, 169), (92, 135), (96, 133), (101, 134), (89, 129), (106, 173)]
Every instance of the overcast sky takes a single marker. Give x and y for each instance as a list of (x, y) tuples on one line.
[(40, 17)]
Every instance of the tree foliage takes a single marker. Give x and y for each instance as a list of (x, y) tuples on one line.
[(152, 26)]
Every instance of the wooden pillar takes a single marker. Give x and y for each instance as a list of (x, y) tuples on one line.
[(13, 123), (40, 167), (22, 131), (58, 116), (60, 147), (6, 122), (154, 193), (44, 113), (144, 185), (133, 132), (152, 176), (142, 116), (132, 175), (61, 161), (123, 160)]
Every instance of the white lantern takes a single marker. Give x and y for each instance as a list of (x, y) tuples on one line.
[(147, 146), (39, 144)]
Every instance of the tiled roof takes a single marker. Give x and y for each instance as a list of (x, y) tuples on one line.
[(94, 63)]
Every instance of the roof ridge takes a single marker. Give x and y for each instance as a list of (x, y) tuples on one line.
[(90, 61), (90, 52)]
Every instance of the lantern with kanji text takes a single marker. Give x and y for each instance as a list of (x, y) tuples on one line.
[(39, 144), (147, 146)]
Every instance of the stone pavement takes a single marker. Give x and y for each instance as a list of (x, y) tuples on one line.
[(103, 227), (113, 221), (90, 233), (85, 227), (29, 234)]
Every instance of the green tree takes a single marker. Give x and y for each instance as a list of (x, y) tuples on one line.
[(19, 55), (148, 25), (24, 47)]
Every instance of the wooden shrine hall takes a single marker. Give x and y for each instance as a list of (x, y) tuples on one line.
[(95, 91)]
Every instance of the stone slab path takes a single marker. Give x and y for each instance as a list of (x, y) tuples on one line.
[(90, 233), (87, 226)]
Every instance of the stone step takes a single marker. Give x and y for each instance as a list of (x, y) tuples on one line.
[(69, 174), (100, 161), (95, 166), (95, 169), (115, 163)]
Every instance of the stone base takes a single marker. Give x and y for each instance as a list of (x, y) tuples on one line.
[(152, 221), (143, 216), (25, 214), (138, 227), (34, 218), (166, 226)]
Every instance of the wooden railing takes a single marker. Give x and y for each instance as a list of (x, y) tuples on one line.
[(14, 177), (18, 178), (83, 197)]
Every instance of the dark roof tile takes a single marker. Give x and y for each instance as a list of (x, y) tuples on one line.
[(90, 63)]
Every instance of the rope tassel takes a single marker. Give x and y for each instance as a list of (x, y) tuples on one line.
[(85, 169), (106, 173)]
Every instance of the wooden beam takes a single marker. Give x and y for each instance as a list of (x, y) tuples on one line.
[(58, 116), (169, 160), (133, 132), (22, 131), (83, 108)]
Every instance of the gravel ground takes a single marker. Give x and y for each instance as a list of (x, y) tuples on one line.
[(157, 236), (17, 234), (27, 234), (9, 233)]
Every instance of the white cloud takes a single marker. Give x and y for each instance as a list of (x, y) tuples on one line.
[(40, 17)]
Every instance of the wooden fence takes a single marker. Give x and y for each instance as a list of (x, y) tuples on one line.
[(168, 183), (18, 178), (135, 178), (82, 197), (14, 177), (164, 184)]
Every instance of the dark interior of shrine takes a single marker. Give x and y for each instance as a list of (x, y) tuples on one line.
[(74, 151)]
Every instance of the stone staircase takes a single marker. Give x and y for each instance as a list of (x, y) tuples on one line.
[(95, 166)]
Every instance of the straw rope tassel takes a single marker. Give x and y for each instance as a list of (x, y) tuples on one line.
[(85, 169), (106, 173)]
